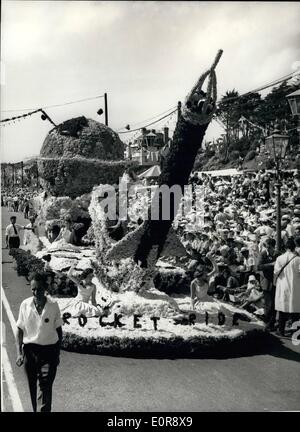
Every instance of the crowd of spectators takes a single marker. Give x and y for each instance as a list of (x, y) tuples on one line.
[(233, 245)]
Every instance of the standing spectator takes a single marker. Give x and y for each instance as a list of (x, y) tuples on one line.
[(10, 203), (287, 274), (265, 264), (30, 227), (26, 208), (16, 203), (12, 237), (38, 342)]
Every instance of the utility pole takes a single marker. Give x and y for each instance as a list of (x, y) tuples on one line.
[(37, 177), (227, 135), (22, 175), (4, 176), (278, 207), (105, 109), (178, 110)]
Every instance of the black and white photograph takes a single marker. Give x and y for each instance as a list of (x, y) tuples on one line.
[(150, 209)]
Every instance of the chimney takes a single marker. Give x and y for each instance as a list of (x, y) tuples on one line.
[(144, 131), (166, 135)]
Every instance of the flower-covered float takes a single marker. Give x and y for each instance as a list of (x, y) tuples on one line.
[(131, 258)]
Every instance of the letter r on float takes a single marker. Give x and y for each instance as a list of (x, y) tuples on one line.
[(65, 317)]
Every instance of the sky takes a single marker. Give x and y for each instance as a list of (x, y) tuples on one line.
[(145, 55)]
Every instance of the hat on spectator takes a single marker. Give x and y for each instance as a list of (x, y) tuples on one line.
[(264, 218), (252, 278), (286, 211)]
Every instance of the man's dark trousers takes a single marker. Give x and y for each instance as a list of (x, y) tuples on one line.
[(14, 242), (270, 312), (40, 362)]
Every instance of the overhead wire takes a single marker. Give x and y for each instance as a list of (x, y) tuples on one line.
[(149, 124), (149, 119), (264, 87), (57, 105)]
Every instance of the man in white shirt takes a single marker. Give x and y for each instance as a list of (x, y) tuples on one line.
[(39, 338), (12, 237)]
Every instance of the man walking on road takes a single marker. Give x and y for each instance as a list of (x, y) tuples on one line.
[(287, 273), (12, 237), (38, 342)]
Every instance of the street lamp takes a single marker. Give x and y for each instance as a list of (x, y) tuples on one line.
[(294, 102), (276, 145)]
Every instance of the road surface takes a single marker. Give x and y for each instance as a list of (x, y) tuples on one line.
[(94, 383)]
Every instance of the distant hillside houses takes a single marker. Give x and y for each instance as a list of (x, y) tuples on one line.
[(148, 148)]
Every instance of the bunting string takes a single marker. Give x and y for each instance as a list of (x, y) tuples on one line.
[(12, 119)]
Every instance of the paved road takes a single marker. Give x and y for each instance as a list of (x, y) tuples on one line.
[(91, 383)]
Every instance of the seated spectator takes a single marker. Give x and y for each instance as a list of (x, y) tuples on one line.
[(200, 285), (253, 298), (231, 282)]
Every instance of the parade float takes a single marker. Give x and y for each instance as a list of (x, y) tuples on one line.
[(141, 313)]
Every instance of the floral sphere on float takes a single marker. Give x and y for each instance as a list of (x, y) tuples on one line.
[(78, 154)]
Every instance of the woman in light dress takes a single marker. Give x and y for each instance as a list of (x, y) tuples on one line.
[(201, 301), (200, 285), (85, 301)]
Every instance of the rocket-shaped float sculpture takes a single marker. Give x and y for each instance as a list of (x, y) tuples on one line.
[(151, 237)]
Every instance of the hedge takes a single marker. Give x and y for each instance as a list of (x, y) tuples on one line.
[(27, 264), (77, 176), (247, 343)]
